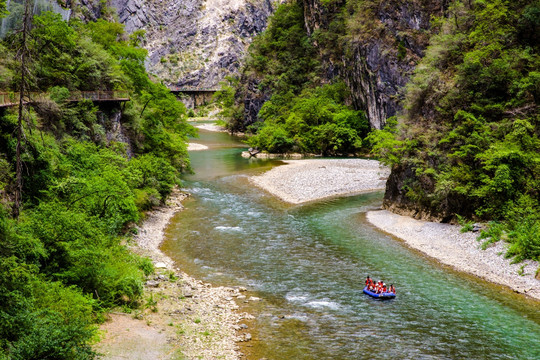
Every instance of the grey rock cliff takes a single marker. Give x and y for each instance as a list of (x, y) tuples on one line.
[(195, 43), (371, 64)]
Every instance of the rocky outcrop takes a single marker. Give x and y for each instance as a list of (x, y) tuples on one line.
[(252, 98), (378, 60), (403, 182), (195, 43), (115, 131)]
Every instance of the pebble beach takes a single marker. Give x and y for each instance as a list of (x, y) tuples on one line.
[(462, 251), (301, 181)]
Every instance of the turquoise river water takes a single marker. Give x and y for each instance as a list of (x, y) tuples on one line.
[(308, 263)]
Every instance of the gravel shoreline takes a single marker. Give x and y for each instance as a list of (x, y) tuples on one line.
[(302, 181), (445, 243), (200, 321), (308, 180), (211, 127)]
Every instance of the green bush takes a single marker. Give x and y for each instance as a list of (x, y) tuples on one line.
[(146, 266)]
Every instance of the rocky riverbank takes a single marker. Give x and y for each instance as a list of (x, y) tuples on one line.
[(211, 127), (307, 180), (182, 317), (462, 251)]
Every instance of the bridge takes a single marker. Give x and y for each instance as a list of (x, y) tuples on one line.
[(194, 96), (193, 89), (12, 98)]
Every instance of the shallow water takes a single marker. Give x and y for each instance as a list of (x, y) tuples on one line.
[(308, 264)]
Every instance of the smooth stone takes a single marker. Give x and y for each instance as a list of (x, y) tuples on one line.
[(152, 283)]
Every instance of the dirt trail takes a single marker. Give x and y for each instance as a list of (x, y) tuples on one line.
[(129, 338)]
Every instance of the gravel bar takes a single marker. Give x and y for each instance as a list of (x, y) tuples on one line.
[(302, 181), (196, 147)]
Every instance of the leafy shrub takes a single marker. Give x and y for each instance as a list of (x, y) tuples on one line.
[(494, 232), (146, 265)]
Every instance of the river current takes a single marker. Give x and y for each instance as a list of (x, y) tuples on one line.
[(308, 264)]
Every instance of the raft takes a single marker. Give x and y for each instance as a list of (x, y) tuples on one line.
[(382, 296)]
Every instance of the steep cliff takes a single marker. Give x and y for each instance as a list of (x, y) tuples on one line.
[(195, 43), (372, 45), (378, 48)]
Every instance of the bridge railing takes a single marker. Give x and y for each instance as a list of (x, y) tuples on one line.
[(193, 89), (12, 98), (8, 99), (100, 96)]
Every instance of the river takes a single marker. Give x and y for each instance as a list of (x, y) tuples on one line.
[(308, 264)]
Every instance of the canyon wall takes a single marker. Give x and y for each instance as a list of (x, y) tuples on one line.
[(195, 43), (382, 43)]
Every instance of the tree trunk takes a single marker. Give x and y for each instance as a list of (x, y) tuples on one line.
[(22, 91)]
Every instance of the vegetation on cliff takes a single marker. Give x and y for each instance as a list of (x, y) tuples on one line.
[(469, 141), (305, 113), (63, 261), (371, 46)]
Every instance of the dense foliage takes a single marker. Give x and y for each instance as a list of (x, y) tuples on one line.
[(469, 143), (303, 114), (64, 260), (316, 122)]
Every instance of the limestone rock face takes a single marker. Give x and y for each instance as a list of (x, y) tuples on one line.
[(373, 68), (195, 43)]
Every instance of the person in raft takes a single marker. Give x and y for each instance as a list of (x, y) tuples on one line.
[(379, 287)]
